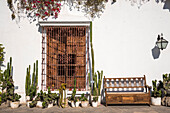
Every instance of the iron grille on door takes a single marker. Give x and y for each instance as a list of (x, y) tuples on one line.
[(65, 56)]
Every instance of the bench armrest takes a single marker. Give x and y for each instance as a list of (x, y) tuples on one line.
[(148, 87)]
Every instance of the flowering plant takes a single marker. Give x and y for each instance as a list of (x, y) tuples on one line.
[(35, 8)]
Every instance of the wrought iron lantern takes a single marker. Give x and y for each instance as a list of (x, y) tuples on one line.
[(161, 43)]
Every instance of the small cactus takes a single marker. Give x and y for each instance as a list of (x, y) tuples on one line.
[(155, 92)]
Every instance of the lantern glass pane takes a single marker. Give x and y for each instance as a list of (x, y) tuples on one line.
[(164, 44), (159, 45)]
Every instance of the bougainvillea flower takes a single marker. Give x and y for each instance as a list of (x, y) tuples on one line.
[(34, 6), (46, 13)]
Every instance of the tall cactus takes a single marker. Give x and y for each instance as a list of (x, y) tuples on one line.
[(28, 81), (36, 74), (31, 84), (9, 80), (92, 54), (166, 84), (100, 77)]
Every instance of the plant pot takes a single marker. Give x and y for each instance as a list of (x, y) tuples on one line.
[(8, 103), (50, 105), (39, 104), (14, 104), (156, 100), (72, 104), (77, 104), (94, 104), (84, 103), (99, 100), (28, 103), (27, 98)]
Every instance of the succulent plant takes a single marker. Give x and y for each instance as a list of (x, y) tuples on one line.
[(95, 99), (83, 98), (155, 92)]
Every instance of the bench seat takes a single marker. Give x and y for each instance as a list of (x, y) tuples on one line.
[(126, 97)]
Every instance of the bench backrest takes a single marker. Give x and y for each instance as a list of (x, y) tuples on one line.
[(131, 82)]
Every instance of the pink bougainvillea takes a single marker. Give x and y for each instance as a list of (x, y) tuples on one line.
[(37, 8)]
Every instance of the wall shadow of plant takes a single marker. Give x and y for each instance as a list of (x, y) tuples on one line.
[(155, 52), (166, 3)]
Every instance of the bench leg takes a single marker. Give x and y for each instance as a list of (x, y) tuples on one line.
[(106, 104)]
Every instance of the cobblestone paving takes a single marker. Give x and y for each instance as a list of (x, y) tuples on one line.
[(100, 109)]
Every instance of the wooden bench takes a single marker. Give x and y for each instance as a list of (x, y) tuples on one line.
[(127, 91)]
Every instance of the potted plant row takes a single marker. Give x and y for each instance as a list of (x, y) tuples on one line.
[(44, 100), (8, 95)]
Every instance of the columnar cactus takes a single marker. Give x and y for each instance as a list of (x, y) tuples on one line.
[(28, 81), (100, 77), (166, 84), (31, 84)]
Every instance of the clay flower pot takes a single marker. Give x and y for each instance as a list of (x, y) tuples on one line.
[(14, 104), (84, 103), (156, 100), (77, 104), (39, 104), (94, 104), (50, 105)]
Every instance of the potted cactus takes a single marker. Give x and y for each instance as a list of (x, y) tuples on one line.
[(95, 101), (76, 102), (84, 101), (39, 99), (15, 101), (31, 85), (166, 90), (96, 90), (73, 98), (156, 94)]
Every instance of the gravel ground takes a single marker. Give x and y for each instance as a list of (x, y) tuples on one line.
[(99, 109)]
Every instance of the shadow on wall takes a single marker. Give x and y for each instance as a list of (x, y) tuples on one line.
[(166, 5), (155, 52)]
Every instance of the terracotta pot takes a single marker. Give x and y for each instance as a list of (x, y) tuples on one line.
[(14, 104), (28, 103), (94, 104), (156, 100), (39, 104), (84, 103)]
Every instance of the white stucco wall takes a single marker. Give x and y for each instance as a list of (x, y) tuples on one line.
[(122, 37)]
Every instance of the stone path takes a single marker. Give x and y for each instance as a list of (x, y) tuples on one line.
[(100, 109)]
